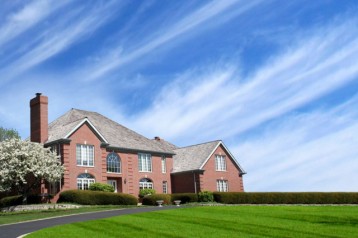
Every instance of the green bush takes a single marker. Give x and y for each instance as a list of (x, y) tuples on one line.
[(101, 187), (152, 199), (205, 196), (286, 198), (87, 197), (146, 191), (11, 201), (185, 197)]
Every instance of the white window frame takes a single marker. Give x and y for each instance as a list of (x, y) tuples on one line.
[(164, 164), (112, 164), (84, 181), (85, 155), (165, 187), (144, 162), (222, 185), (220, 162), (145, 183)]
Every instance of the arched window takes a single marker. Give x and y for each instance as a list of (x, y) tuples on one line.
[(84, 181), (145, 183), (113, 163)]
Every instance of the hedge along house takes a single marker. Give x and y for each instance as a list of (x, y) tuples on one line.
[(94, 148)]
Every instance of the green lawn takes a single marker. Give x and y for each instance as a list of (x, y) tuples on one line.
[(12, 217), (223, 221)]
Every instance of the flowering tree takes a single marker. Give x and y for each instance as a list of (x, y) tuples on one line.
[(24, 164)]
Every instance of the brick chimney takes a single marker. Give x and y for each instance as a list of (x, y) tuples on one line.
[(39, 118)]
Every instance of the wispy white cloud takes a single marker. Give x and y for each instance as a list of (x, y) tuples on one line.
[(169, 34), (27, 17), (60, 36), (310, 68), (301, 155)]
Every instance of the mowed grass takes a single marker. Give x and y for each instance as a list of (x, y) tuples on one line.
[(221, 221), (13, 217)]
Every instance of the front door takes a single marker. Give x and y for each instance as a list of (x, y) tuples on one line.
[(113, 183)]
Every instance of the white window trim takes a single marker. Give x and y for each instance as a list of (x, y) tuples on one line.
[(146, 185), (89, 182), (164, 164), (141, 163), (165, 187), (83, 154), (222, 185), (120, 166), (220, 163)]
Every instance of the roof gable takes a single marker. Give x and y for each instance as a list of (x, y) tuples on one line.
[(114, 134), (195, 157), (88, 122)]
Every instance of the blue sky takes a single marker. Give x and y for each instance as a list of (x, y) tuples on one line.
[(277, 81)]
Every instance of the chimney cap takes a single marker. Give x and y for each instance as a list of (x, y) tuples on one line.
[(38, 94)]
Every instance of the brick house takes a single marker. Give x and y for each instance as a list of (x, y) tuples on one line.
[(94, 148)]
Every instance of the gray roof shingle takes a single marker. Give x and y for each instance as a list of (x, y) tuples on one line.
[(192, 157), (115, 134)]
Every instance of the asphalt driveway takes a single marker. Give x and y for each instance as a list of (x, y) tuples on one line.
[(18, 229)]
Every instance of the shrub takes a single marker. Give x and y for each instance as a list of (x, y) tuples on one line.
[(286, 198), (146, 191), (185, 197), (11, 201), (87, 197), (101, 187), (205, 196), (152, 199)]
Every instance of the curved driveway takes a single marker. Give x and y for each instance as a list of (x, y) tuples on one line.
[(18, 229)]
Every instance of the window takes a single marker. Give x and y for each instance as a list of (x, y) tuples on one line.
[(222, 186), (164, 164), (145, 183), (220, 163), (84, 181), (113, 163), (85, 155), (165, 187), (145, 162)]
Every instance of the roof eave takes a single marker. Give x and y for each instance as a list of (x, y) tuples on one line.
[(58, 141), (109, 147), (201, 171)]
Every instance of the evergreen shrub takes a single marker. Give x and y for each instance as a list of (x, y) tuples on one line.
[(205, 196), (145, 192), (185, 197), (101, 187), (286, 197), (152, 199), (11, 201), (87, 197)]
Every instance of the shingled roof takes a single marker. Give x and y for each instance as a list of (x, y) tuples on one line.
[(110, 131), (194, 157)]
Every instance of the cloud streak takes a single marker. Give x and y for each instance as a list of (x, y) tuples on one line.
[(188, 24), (308, 70), (60, 36)]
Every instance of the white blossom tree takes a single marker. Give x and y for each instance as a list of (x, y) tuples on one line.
[(24, 165)]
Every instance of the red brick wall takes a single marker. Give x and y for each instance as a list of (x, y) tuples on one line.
[(83, 135), (184, 182), (127, 180), (39, 119), (210, 176)]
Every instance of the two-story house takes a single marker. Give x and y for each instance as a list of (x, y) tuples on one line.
[(94, 148)]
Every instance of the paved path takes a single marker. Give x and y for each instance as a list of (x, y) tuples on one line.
[(18, 229)]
